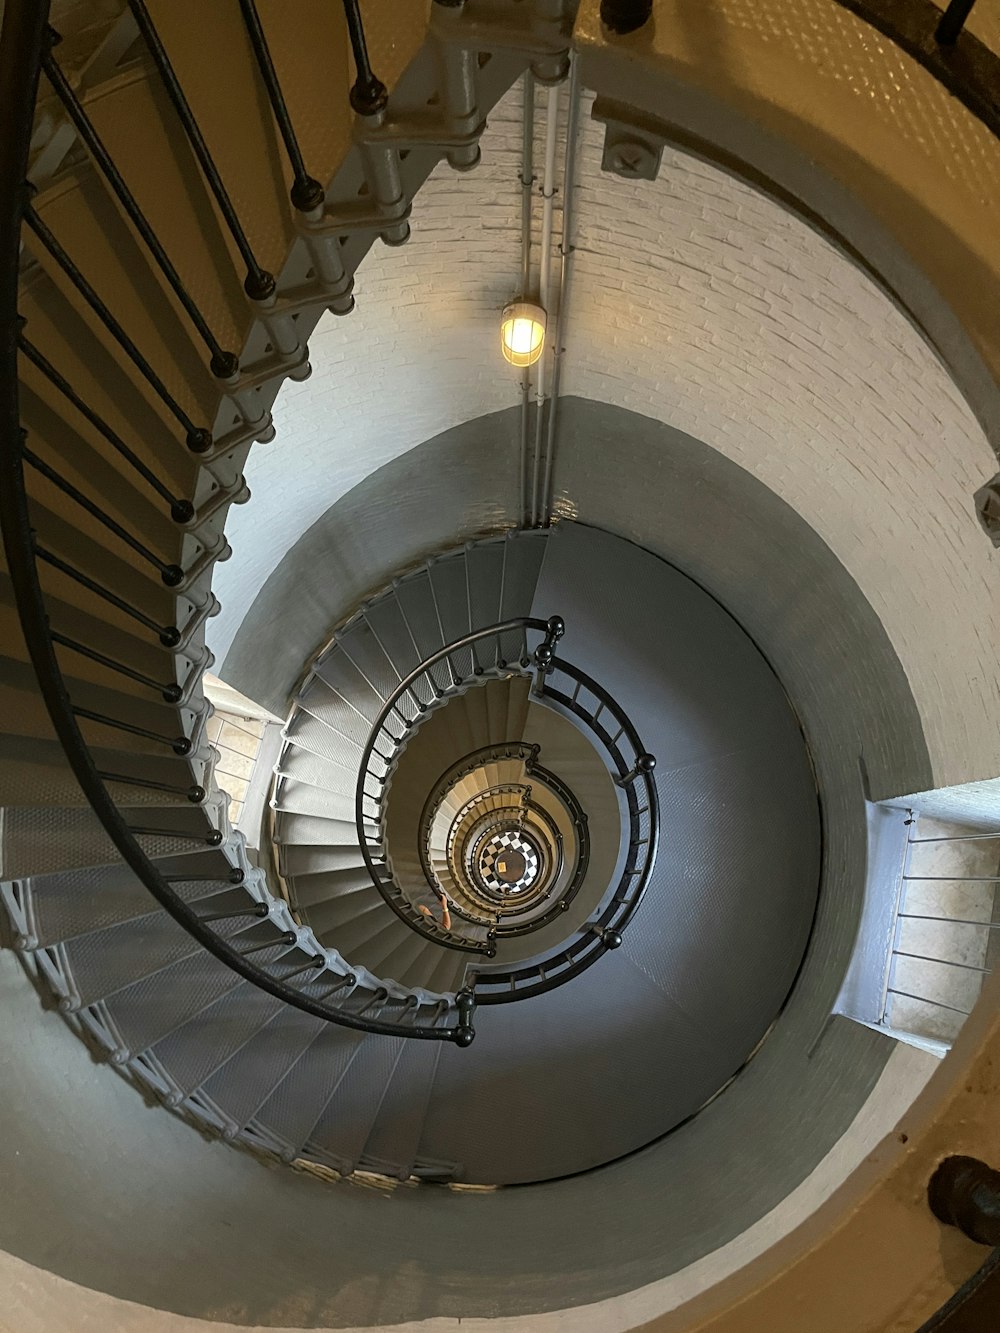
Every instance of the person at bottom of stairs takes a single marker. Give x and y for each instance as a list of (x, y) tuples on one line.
[(442, 900)]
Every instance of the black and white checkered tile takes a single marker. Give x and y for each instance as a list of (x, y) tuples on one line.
[(493, 865)]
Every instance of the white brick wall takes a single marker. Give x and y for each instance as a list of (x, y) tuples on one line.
[(703, 304)]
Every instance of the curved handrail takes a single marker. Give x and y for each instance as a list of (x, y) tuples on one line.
[(386, 886), (632, 767), (529, 753), (498, 986), (21, 51)]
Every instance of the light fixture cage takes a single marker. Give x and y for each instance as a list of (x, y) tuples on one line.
[(522, 333)]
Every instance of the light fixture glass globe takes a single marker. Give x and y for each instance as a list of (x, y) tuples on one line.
[(522, 333)]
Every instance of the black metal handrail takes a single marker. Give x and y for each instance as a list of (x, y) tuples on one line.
[(472, 825), (278, 954), (380, 731), (631, 767), (957, 59), (505, 928)]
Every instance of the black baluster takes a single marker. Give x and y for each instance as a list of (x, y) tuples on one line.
[(181, 745), (286, 938), (223, 364), (952, 22), (181, 511), (306, 193), (195, 793), (171, 575), (258, 284), (256, 910), (369, 94), (378, 999), (211, 839), (317, 961), (199, 439), (169, 635), (171, 693), (346, 982), (234, 875)]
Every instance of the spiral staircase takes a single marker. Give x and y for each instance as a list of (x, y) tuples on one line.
[(512, 917)]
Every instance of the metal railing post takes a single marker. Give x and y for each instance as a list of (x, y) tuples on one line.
[(545, 653), (643, 765)]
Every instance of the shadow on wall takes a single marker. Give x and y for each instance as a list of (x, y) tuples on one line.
[(688, 504), (459, 485)]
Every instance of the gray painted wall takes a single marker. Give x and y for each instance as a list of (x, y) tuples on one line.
[(639, 478), (456, 486), (126, 1199), (712, 1178)]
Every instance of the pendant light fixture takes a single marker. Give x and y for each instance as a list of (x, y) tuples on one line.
[(522, 333)]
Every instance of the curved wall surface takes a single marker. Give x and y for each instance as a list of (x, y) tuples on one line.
[(702, 303), (115, 1214), (833, 518), (768, 567)]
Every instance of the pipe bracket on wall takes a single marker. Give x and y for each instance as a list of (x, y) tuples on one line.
[(632, 148)]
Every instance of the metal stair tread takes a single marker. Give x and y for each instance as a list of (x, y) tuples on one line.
[(342, 1131), (241, 1086), (311, 891), (316, 859), (293, 829), (208, 1039), (298, 1101), (154, 1006), (394, 1137)]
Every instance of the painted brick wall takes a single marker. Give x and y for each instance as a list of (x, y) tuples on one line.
[(700, 303), (731, 320)]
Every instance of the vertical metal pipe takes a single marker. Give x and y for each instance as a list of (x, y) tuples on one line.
[(527, 192), (459, 67), (548, 194), (524, 516), (544, 279), (527, 174), (565, 266)]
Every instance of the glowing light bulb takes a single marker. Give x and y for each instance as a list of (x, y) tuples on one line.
[(522, 333)]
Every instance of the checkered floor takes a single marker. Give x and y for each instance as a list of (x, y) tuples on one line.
[(502, 853)]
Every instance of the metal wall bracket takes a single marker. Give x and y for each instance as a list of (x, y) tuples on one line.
[(632, 147)]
